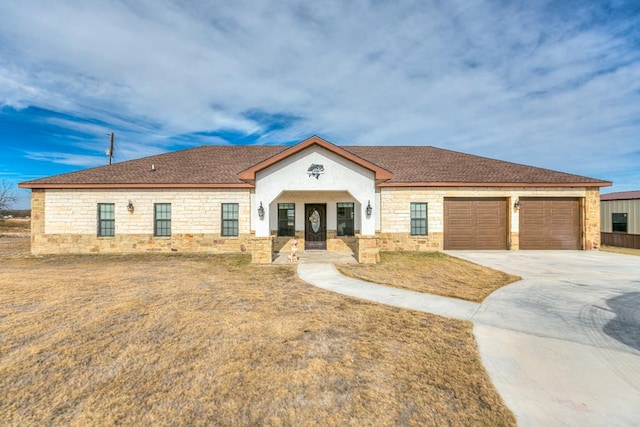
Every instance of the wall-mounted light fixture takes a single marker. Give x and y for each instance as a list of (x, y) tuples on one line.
[(130, 207), (261, 211), (516, 205), (369, 209)]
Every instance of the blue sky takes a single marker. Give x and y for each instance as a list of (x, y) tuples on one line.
[(552, 84)]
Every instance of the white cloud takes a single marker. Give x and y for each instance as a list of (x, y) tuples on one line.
[(547, 84), (68, 159)]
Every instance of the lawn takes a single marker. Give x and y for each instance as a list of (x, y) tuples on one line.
[(432, 272), (213, 340)]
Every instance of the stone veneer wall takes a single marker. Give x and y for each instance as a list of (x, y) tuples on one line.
[(406, 242), (335, 243), (65, 221), (395, 216), (283, 243), (37, 215), (592, 218), (262, 250), (367, 250), (342, 244), (131, 243)]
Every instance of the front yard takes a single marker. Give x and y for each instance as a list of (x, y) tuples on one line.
[(202, 340), (433, 273)]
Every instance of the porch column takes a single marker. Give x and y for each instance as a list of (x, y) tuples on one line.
[(261, 250), (367, 251)]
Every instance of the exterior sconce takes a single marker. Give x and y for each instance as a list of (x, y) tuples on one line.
[(369, 209), (130, 207), (516, 205), (261, 211)]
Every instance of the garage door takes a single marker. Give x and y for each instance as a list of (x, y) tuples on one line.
[(479, 223), (550, 223)]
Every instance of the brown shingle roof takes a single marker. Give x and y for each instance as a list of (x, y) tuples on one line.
[(219, 166), (194, 167), (621, 195), (412, 164)]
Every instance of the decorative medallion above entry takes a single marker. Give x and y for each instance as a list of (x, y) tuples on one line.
[(315, 171)]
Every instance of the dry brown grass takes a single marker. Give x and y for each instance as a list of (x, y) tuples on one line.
[(212, 340), (13, 233), (12, 226), (625, 251), (432, 272)]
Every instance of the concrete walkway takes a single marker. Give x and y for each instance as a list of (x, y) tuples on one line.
[(327, 276), (562, 346)]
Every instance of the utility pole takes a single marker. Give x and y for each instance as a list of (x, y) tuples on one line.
[(111, 150)]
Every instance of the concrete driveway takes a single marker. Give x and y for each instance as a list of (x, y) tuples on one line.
[(562, 346)]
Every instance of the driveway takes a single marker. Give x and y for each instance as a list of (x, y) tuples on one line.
[(562, 346)]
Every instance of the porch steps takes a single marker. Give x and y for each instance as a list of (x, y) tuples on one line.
[(317, 257)]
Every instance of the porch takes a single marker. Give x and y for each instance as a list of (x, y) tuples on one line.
[(366, 252), (314, 256)]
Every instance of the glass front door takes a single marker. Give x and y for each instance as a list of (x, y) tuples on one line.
[(316, 226)]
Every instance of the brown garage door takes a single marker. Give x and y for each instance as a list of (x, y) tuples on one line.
[(478, 223), (549, 223)]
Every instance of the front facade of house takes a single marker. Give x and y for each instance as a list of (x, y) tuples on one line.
[(356, 200)]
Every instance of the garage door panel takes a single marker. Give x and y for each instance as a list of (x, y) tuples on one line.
[(490, 222), (478, 223), (549, 223)]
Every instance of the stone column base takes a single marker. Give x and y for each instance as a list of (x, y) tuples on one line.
[(367, 250), (262, 250)]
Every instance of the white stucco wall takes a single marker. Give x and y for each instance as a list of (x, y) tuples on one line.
[(342, 178), (192, 210)]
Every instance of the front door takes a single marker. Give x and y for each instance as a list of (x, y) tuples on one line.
[(315, 235)]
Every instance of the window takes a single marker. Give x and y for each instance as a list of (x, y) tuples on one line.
[(106, 220), (162, 219), (286, 219), (229, 219), (345, 219), (418, 219), (619, 222)]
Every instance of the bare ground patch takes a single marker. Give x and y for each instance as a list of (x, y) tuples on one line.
[(202, 340), (432, 272)]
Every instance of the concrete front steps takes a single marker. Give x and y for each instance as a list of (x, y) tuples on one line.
[(316, 257)]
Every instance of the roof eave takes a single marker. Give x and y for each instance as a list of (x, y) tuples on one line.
[(36, 185), (495, 184)]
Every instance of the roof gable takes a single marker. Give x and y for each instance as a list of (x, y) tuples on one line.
[(380, 174)]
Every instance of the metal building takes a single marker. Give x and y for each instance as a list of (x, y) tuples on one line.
[(620, 219)]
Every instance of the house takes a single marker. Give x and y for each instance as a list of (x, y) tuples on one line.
[(620, 219), (355, 199)]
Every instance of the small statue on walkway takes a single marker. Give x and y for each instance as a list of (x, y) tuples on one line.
[(293, 254)]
